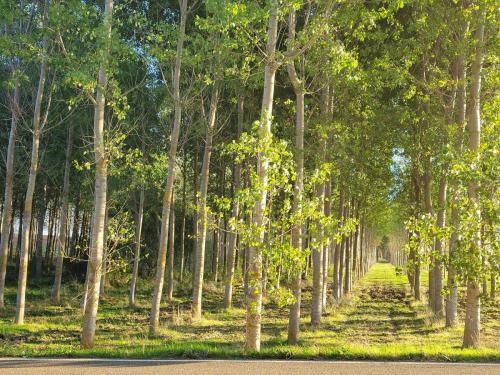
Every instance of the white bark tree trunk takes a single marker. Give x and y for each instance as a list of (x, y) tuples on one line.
[(106, 255), (94, 267), (254, 300), (473, 304)]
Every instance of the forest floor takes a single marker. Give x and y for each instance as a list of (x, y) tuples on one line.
[(379, 320)]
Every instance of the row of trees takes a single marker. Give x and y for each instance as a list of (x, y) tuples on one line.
[(449, 172), (287, 135)]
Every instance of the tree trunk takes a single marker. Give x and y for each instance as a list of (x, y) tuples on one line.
[(347, 264), (11, 239), (473, 304), (317, 261), (439, 245), (183, 226), (362, 255), (19, 231), (233, 236), (493, 287), (7, 217), (39, 239), (202, 208), (106, 255), (216, 250), (354, 267), (452, 298), (83, 234), (137, 254), (30, 190), (195, 204), (52, 231), (170, 257), (337, 254), (415, 256), (343, 245), (76, 226), (347, 258), (63, 224), (254, 301), (32, 240), (225, 246), (427, 189), (298, 189), (327, 192), (416, 286), (485, 277), (167, 197), (94, 267)]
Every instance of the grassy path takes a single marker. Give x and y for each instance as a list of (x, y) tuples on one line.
[(379, 320)]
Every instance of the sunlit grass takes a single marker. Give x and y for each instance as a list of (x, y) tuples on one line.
[(376, 321)]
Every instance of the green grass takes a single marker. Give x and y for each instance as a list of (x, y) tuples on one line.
[(379, 320)]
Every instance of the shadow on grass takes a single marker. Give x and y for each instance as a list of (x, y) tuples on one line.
[(378, 321)]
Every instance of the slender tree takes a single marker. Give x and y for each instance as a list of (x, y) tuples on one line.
[(233, 236), (254, 300), (170, 269), (94, 267), (63, 222), (298, 189), (472, 310), (202, 214), (137, 243), (460, 116), (38, 124), (7, 217), (167, 197)]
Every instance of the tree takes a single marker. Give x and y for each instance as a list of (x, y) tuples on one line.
[(460, 114), (299, 89), (94, 268), (9, 187), (167, 197), (202, 206), (254, 302), (38, 124), (472, 311), (231, 252)]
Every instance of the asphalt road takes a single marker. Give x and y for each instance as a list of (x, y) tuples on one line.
[(18, 366)]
